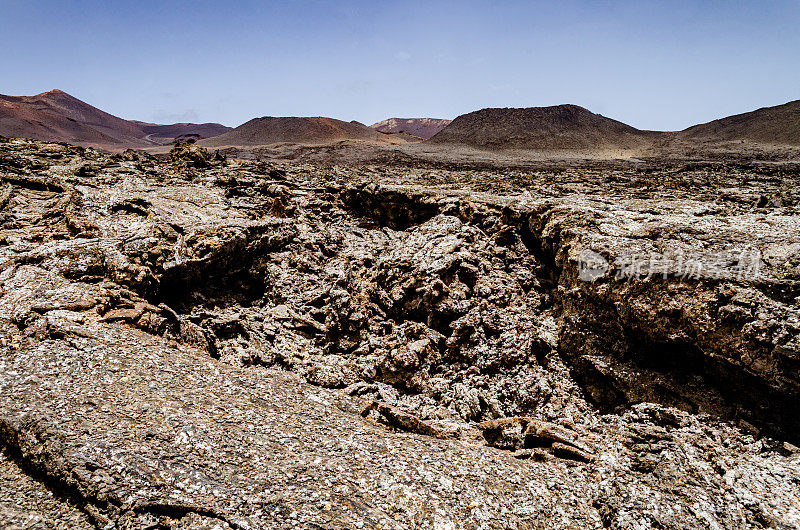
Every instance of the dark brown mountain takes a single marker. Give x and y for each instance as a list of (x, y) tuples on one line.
[(311, 130), (182, 130), (779, 125), (57, 116), (420, 127), (559, 128)]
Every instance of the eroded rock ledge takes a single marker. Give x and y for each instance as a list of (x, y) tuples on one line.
[(212, 343)]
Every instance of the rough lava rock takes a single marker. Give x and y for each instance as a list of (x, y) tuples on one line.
[(210, 343)]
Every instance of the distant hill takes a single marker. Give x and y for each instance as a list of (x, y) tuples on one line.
[(183, 130), (559, 128), (779, 125), (574, 129), (57, 116), (311, 130), (402, 137), (420, 127)]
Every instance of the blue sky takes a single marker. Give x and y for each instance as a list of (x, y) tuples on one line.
[(654, 65)]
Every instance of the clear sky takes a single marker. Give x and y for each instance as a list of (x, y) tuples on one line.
[(655, 65)]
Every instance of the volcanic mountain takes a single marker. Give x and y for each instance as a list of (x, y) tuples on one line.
[(57, 116), (559, 128), (779, 125), (166, 133), (299, 130), (420, 127)]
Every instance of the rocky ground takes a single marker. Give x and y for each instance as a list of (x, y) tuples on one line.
[(209, 343)]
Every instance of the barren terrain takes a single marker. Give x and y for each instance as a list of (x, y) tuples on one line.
[(202, 342)]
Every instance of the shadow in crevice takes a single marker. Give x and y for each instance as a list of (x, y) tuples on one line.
[(680, 375), (392, 209)]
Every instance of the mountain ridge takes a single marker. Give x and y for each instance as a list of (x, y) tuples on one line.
[(778, 124), (58, 116), (420, 127), (311, 130), (576, 129)]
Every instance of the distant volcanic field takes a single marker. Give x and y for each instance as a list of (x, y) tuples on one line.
[(563, 130)]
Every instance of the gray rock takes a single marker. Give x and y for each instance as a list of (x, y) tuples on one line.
[(208, 343)]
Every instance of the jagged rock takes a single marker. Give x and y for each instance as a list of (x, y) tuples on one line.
[(192, 155), (188, 345)]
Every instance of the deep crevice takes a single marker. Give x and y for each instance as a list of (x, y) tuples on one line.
[(673, 373), (669, 373), (677, 374), (395, 210)]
